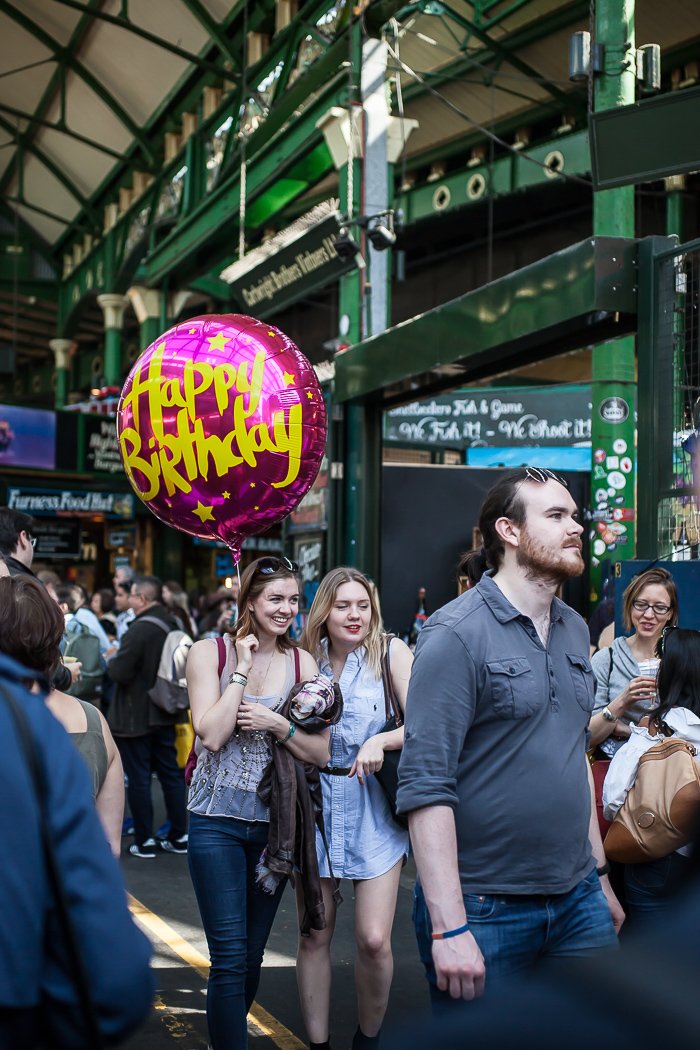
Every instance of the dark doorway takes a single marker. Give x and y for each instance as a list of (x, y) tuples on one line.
[(428, 516)]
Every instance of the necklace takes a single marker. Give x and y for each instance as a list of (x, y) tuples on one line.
[(261, 687)]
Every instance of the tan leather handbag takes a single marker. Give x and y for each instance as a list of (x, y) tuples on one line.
[(662, 807)]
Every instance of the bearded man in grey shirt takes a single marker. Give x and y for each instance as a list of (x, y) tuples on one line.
[(494, 774)]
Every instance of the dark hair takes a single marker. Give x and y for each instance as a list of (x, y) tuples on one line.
[(502, 500), (473, 565), (253, 583), (106, 599), (71, 595), (645, 579), (149, 586), (31, 624), (123, 585), (678, 681), (12, 522)]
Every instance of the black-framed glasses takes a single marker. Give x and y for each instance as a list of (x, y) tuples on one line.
[(271, 564), (658, 610)]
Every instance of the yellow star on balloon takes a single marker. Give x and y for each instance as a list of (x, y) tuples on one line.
[(252, 484), (226, 495), (204, 513), (272, 333), (287, 378), (192, 331), (217, 342), (310, 395)]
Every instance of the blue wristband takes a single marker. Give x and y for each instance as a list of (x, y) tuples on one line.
[(450, 933)]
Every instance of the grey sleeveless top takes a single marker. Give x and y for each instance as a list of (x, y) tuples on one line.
[(225, 782), (91, 745)]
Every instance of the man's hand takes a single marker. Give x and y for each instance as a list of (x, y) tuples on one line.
[(616, 913), (459, 966)]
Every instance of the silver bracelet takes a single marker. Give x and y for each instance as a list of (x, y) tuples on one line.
[(236, 678)]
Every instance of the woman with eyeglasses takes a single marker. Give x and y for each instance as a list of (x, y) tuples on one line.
[(344, 632), (626, 671), (648, 886), (236, 686)]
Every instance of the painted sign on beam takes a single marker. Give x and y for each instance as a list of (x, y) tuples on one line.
[(295, 270)]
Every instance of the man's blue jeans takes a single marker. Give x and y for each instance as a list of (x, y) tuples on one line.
[(518, 934), (237, 917)]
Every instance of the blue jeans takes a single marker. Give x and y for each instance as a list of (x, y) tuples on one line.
[(520, 933), (649, 887), (237, 917)]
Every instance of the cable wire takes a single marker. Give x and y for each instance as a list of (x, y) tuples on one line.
[(480, 127)]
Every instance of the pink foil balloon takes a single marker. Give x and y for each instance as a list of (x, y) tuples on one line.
[(222, 427)]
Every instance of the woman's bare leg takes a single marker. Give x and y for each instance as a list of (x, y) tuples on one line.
[(314, 967), (375, 905)]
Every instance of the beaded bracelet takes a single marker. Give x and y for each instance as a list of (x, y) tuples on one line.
[(290, 734)]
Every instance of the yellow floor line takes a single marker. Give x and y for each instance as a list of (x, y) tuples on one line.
[(264, 1021)]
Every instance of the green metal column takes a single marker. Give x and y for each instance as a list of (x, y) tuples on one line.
[(147, 305), (113, 307), (675, 216), (613, 467), (61, 349)]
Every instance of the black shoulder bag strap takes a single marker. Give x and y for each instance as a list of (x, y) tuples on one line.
[(391, 702), (78, 973)]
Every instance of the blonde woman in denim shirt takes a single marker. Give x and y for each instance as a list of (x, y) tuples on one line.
[(344, 632)]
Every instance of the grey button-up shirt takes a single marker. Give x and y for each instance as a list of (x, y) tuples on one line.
[(496, 728)]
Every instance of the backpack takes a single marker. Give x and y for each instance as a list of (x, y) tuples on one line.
[(84, 645), (662, 807), (169, 691)]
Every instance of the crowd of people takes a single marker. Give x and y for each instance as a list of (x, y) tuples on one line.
[(495, 707)]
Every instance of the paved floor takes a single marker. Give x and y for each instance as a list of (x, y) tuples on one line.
[(163, 901)]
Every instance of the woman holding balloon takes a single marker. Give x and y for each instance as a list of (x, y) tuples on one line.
[(234, 704)]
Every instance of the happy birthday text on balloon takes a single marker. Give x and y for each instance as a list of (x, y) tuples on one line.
[(180, 457)]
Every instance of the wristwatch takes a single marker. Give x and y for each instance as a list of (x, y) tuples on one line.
[(608, 715), (605, 870)]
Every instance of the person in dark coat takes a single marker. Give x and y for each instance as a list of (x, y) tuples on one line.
[(17, 539), (145, 734)]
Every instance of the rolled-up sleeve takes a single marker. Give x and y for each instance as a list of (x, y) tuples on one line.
[(439, 712)]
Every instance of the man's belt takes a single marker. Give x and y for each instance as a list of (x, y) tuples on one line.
[(336, 771)]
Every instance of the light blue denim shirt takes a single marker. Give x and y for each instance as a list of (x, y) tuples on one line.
[(363, 839)]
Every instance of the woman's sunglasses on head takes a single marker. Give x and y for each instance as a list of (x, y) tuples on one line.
[(269, 565)]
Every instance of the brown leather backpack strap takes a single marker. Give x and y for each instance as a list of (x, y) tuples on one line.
[(297, 667)]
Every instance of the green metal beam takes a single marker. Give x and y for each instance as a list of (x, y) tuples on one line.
[(500, 50), (198, 11), (65, 57), (560, 18), (63, 129), (570, 299), (35, 208), (25, 143), (507, 174), (154, 38)]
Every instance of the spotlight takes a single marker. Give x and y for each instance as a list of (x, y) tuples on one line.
[(382, 236), (346, 248)]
